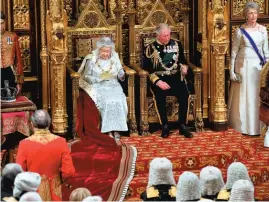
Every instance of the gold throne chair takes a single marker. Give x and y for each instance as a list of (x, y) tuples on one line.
[(141, 35), (81, 40)]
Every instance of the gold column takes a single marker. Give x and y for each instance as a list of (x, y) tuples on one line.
[(56, 24), (204, 60), (220, 110), (132, 43), (198, 87), (118, 14), (44, 59), (144, 126)]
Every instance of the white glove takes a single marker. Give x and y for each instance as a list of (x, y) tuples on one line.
[(121, 74), (232, 75)]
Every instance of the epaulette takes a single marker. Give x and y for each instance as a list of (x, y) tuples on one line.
[(176, 39), (152, 192), (149, 42), (224, 195), (10, 33)]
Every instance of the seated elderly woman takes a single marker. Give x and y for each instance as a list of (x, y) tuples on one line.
[(100, 72)]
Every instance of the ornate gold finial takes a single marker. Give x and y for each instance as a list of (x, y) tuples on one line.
[(219, 23)]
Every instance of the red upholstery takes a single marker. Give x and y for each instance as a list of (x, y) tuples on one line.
[(22, 103)]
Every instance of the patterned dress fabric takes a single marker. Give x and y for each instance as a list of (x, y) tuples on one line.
[(106, 93)]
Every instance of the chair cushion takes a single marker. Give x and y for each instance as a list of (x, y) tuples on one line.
[(22, 103)]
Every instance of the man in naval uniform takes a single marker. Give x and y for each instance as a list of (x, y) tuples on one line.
[(169, 75), (11, 63)]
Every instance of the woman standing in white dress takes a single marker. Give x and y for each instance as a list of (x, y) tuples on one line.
[(244, 101), (100, 72)]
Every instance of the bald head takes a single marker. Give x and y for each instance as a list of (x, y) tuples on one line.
[(41, 119)]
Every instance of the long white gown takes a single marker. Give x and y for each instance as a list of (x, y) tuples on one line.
[(107, 94), (244, 100)]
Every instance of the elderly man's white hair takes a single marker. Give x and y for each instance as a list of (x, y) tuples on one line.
[(93, 199), (236, 171), (12, 169), (211, 181), (26, 182), (243, 190), (30, 196), (161, 172), (161, 27), (105, 42), (188, 187)]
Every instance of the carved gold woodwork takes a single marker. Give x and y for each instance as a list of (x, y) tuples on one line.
[(178, 9), (21, 18), (205, 64), (237, 7), (56, 24), (44, 60), (139, 36), (219, 107), (218, 39), (24, 42), (81, 41)]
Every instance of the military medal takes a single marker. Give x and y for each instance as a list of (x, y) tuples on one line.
[(9, 41)]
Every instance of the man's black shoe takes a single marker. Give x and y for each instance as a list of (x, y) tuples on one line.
[(165, 131), (183, 130)]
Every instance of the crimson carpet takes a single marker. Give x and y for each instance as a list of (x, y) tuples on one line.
[(218, 149)]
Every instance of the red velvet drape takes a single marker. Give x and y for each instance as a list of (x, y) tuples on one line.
[(96, 156)]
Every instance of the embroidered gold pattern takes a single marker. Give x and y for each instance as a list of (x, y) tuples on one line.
[(224, 195), (152, 192), (173, 191), (44, 188), (50, 184), (153, 77), (42, 136)]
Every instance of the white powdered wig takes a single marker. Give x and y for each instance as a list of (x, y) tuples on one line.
[(93, 199), (236, 171), (161, 172), (211, 181), (243, 190), (188, 187)]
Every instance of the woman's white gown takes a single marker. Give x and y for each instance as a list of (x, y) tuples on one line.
[(244, 100), (107, 94)]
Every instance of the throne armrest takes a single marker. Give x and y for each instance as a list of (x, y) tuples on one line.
[(129, 71), (140, 71)]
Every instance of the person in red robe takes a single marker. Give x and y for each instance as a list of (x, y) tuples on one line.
[(48, 155), (11, 62)]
